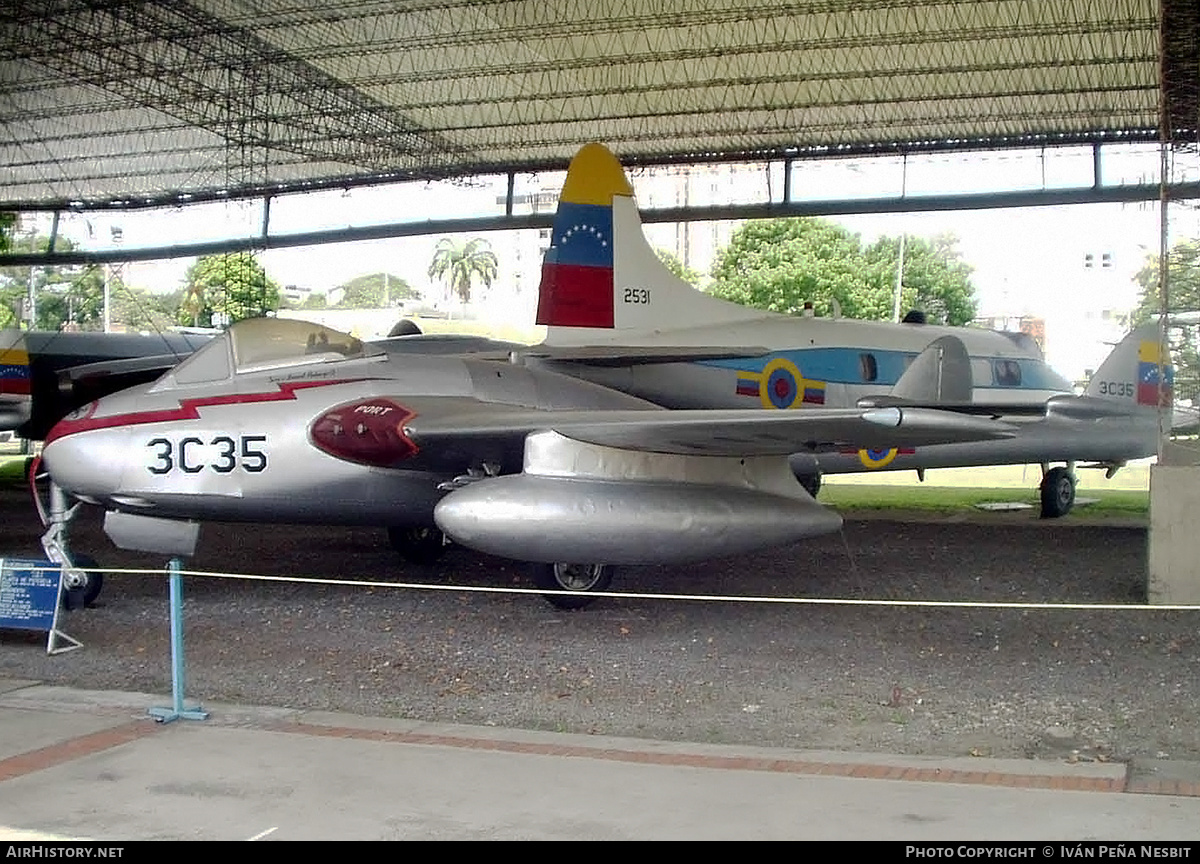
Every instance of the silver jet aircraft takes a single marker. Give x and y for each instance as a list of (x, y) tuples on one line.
[(562, 452), (291, 422)]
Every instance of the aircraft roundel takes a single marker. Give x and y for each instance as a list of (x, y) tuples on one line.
[(877, 458), (781, 384)]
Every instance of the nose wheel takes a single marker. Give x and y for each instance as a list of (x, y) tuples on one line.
[(82, 582)]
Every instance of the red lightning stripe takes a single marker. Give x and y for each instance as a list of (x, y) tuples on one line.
[(189, 409)]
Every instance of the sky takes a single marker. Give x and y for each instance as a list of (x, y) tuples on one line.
[(1027, 261)]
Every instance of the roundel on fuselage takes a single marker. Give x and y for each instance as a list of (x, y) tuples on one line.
[(877, 458), (781, 384)]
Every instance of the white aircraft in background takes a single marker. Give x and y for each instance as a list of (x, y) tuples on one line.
[(617, 316)]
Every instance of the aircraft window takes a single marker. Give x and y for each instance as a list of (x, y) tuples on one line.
[(1007, 373), (210, 363), (868, 369), (264, 342)]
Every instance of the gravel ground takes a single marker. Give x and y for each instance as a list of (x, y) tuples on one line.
[(939, 681)]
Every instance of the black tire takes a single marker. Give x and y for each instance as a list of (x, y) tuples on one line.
[(582, 578), (1058, 493), (811, 483), (418, 544), (84, 596)]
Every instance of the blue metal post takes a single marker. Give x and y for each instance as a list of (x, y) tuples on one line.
[(166, 715)]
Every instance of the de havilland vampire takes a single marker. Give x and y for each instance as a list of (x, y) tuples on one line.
[(621, 439)]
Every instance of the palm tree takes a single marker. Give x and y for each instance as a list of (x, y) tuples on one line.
[(459, 265)]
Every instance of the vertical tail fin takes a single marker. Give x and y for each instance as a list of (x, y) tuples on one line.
[(600, 276), (14, 364), (577, 272), (1131, 372), (941, 374), (16, 383)]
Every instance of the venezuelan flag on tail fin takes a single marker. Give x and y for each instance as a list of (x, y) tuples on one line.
[(1152, 356), (601, 280), (577, 272), (1131, 372), (14, 365)]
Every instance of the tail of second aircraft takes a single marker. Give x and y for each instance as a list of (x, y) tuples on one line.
[(601, 281), (1137, 372)]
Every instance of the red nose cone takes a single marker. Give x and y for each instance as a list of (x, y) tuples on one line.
[(370, 431)]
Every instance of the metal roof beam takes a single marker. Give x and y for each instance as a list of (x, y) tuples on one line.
[(905, 204)]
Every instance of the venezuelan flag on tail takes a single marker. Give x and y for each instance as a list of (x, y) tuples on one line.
[(1150, 360), (1130, 373), (14, 370), (577, 272)]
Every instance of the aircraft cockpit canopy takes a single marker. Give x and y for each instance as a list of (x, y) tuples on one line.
[(260, 343), (265, 343)]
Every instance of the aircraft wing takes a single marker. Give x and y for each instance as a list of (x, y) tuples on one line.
[(624, 355), (1064, 406), (725, 432), (639, 486), (986, 409)]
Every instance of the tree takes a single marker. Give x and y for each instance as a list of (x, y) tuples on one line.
[(780, 264), (375, 290), (936, 279), (63, 295), (684, 272), (231, 287), (74, 300), (458, 265), (137, 309), (1183, 289)]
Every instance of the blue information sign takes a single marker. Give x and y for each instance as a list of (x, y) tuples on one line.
[(29, 590)]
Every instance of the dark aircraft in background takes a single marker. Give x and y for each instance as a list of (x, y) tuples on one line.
[(45, 375)]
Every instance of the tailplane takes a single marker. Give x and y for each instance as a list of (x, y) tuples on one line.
[(1138, 372), (601, 280)]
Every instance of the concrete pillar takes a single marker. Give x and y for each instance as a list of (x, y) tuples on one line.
[(1174, 534)]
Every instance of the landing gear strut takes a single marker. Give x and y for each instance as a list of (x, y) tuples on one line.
[(582, 578), (811, 483), (418, 544), (81, 581), (1058, 492)]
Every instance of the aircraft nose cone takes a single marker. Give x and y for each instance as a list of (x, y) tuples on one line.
[(84, 462)]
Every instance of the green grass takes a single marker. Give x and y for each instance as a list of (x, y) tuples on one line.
[(12, 469), (946, 499)]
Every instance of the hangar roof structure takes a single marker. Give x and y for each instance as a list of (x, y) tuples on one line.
[(118, 103)]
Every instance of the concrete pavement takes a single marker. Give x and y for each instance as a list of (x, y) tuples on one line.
[(93, 764)]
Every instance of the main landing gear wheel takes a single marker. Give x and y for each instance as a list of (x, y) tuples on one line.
[(1058, 493), (82, 593), (582, 578), (418, 544)]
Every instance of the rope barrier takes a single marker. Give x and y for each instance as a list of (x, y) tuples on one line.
[(708, 598)]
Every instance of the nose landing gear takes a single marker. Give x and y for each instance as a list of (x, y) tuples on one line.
[(81, 580)]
